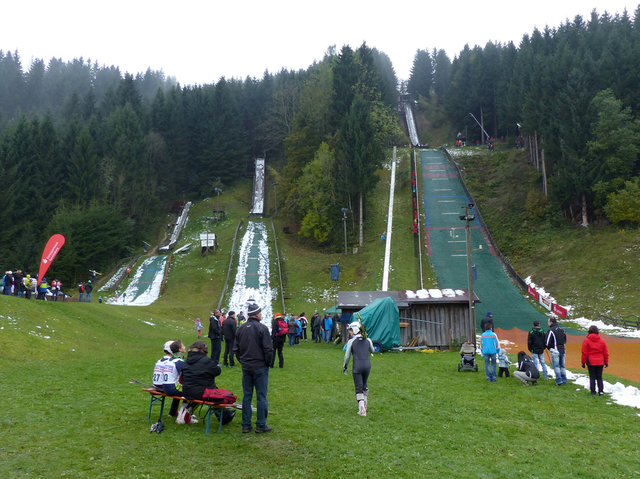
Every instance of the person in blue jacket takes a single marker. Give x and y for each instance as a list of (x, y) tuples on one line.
[(490, 346), (328, 327), (298, 329)]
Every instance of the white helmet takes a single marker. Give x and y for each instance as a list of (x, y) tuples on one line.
[(355, 327)]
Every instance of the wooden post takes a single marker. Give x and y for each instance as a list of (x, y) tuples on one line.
[(535, 148), (544, 175)]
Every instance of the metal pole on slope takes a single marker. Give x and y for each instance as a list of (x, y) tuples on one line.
[(415, 165), (472, 312), (484, 131), (344, 222), (275, 195)]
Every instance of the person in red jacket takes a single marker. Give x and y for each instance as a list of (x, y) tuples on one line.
[(595, 355)]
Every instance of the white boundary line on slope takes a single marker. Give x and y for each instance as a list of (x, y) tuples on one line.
[(387, 246)]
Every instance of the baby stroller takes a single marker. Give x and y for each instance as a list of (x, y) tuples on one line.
[(468, 357)]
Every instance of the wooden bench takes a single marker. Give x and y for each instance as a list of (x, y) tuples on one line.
[(159, 397)]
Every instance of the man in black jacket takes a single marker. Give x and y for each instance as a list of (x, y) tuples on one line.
[(527, 371), (229, 333), (215, 335), (488, 319), (254, 350), (536, 344), (556, 339)]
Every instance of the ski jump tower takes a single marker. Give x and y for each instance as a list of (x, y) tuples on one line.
[(257, 204)]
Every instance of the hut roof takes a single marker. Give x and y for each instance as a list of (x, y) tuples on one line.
[(355, 300)]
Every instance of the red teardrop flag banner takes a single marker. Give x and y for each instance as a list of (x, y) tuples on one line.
[(50, 251)]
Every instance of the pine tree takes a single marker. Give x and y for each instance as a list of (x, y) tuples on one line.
[(421, 78)]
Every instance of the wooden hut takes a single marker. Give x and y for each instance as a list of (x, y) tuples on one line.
[(436, 317)]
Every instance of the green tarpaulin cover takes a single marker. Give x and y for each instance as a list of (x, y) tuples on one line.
[(381, 320), (333, 310)]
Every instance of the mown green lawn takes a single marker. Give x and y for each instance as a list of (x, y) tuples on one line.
[(69, 411)]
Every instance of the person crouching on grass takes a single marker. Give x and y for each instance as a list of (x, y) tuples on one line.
[(527, 370), (360, 349)]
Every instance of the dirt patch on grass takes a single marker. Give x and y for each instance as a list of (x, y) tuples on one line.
[(624, 353)]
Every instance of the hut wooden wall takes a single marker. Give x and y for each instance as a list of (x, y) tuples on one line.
[(454, 324)]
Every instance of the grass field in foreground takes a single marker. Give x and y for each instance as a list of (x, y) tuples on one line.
[(70, 412)]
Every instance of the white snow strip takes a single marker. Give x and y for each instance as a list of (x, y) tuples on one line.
[(607, 328), (387, 246), (151, 294), (263, 296), (112, 280), (620, 394), (258, 189)]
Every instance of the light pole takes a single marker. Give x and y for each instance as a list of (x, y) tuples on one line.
[(275, 193), (344, 222), (467, 217)]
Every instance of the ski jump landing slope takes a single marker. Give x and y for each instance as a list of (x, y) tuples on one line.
[(257, 205), (411, 124), (444, 202), (252, 277), (145, 285)]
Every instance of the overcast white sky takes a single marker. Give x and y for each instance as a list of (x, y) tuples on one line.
[(200, 41)]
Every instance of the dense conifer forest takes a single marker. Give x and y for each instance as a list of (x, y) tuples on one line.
[(96, 155), (572, 92)]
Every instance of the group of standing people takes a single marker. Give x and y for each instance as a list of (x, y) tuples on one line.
[(222, 328), (16, 283), (84, 292), (22, 285), (595, 354)]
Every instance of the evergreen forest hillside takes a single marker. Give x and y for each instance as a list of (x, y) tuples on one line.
[(98, 156), (570, 95)]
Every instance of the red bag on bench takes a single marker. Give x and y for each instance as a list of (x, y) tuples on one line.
[(219, 396)]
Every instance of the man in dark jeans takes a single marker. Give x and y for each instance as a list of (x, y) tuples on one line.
[(229, 328), (254, 350), (215, 335)]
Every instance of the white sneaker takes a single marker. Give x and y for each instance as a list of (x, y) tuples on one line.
[(362, 409), (193, 420), (181, 416)]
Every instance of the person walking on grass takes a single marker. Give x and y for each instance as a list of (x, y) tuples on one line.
[(215, 335), (490, 346), (536, 345), (556, 339), (229, 328), (292, 330), (279, 330), (88, 288), (316, 326), (527, 370), (254, 351), (595, 355), (304, 323), (199, 327), (328, 327), (359, 348)]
